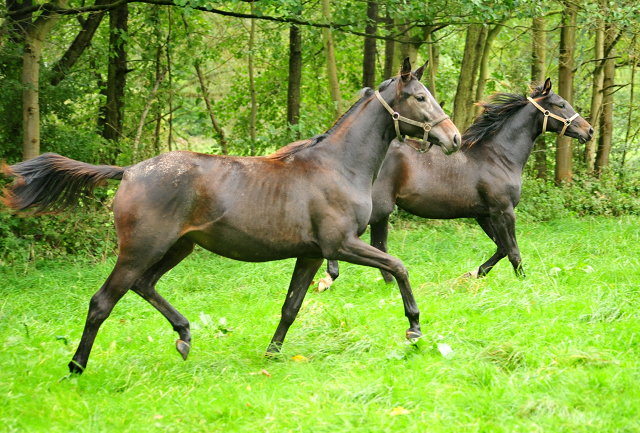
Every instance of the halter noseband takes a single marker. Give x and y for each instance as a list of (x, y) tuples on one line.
[(427, 126), (547, 113)]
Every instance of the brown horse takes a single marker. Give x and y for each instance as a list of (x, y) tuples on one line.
[(482, 181), (310, 200)]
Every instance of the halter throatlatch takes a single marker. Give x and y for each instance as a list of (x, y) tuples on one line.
[(548, 114), (427, 126)]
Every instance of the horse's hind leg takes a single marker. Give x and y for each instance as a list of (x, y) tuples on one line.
[(379, 236), (355, 251), (302, 276), (145, 287), (486, 225), (122, 277)]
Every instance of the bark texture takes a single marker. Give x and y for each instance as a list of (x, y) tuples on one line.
[(463, 102), (389, 49), (332, 70), (564, 152), (484, 63), (117, 73), (596, 92), (369, 57), (538, 57), (252, 85), (295, 75), (605, 137)]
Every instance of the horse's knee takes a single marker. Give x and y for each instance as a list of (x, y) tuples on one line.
[(399, 271), (99, 309)]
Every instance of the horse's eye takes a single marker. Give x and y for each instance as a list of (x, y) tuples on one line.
[(561, 105), (420, 98)]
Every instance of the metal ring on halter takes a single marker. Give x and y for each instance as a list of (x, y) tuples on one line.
[(427, 127), (395, 115)]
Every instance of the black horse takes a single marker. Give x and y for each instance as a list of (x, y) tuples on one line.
[(310, 200), (482, 181)]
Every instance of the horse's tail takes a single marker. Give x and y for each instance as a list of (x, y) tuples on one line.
[(51, 183)]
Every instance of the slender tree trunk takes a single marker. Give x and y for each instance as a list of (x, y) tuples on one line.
[(207, 100), (596, 93), (606, 120), (332, 70), (35, 34), (462, 106), (537, 77), (78, 46), (632, 84), (252, 85), (117, 73), (433, 63), (369, 57), (389, 48), (484, 63), (295, 75), (143, 117), (564, 152), (158, 120), (168, 51)]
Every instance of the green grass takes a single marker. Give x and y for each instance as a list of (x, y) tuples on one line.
[(556, 352)]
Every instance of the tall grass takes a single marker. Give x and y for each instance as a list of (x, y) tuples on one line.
[(555, 352)]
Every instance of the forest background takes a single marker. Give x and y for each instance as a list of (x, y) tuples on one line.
[(116, 82)]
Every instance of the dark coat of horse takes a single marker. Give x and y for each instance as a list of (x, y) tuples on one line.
[(482, 181), (309, 200)]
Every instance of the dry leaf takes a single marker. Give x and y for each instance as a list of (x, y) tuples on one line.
[(265, 372), (399, 411), (158, 416), (299, 358)]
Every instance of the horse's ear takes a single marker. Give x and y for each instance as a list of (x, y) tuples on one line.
[(405, 73), (547, 87), (418, 73)]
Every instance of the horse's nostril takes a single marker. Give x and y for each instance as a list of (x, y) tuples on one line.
[(456, 141), (590, 131)]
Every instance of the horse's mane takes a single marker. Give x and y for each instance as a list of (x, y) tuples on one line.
[(496, 111), (297, 146)]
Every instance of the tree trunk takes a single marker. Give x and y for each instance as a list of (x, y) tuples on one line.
[(145, 112), (564, 145), (462, 105), (389, 48), (369, 57), (116, 77), (538, 56), (252, 85), (596, 93), (332, 70), (606, 120), (168, 52), (35, 34), (632, 84), (207, 100), (77, 47), (295, 75), (434, 60), (484, 63)]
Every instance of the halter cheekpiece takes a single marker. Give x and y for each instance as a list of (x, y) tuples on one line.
[(427, 126), (547, 114)]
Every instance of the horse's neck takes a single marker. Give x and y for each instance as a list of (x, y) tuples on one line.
[(358, 144), (515, 140)]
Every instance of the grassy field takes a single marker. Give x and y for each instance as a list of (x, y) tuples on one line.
[(556, 352)]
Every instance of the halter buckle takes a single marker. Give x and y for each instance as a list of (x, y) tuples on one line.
[(395, 115), (567, 122), (427, 127), (547, 113)]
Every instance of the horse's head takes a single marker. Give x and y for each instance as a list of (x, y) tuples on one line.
[(414, 102), (560, 115)]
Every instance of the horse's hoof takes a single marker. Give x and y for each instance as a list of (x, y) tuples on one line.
[(413, 334), (325, 283), (472, 274), (183, 348), (75, 368), (388, 278)]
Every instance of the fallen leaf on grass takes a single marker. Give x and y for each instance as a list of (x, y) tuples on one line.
[(299, 358), (445, 349), (158, 416), (399, 411), (263, 371)]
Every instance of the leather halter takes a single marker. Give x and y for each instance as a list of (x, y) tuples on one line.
[(547, 114), (427, 126)]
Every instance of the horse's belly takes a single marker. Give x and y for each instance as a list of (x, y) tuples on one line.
[(254, 247)]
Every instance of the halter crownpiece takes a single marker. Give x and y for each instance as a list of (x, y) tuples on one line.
[(547, 113), (427, 126)]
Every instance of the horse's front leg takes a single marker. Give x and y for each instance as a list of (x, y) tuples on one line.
[(505, 228), (486, 225), (379, 236), (303, 274), (354, 250)]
